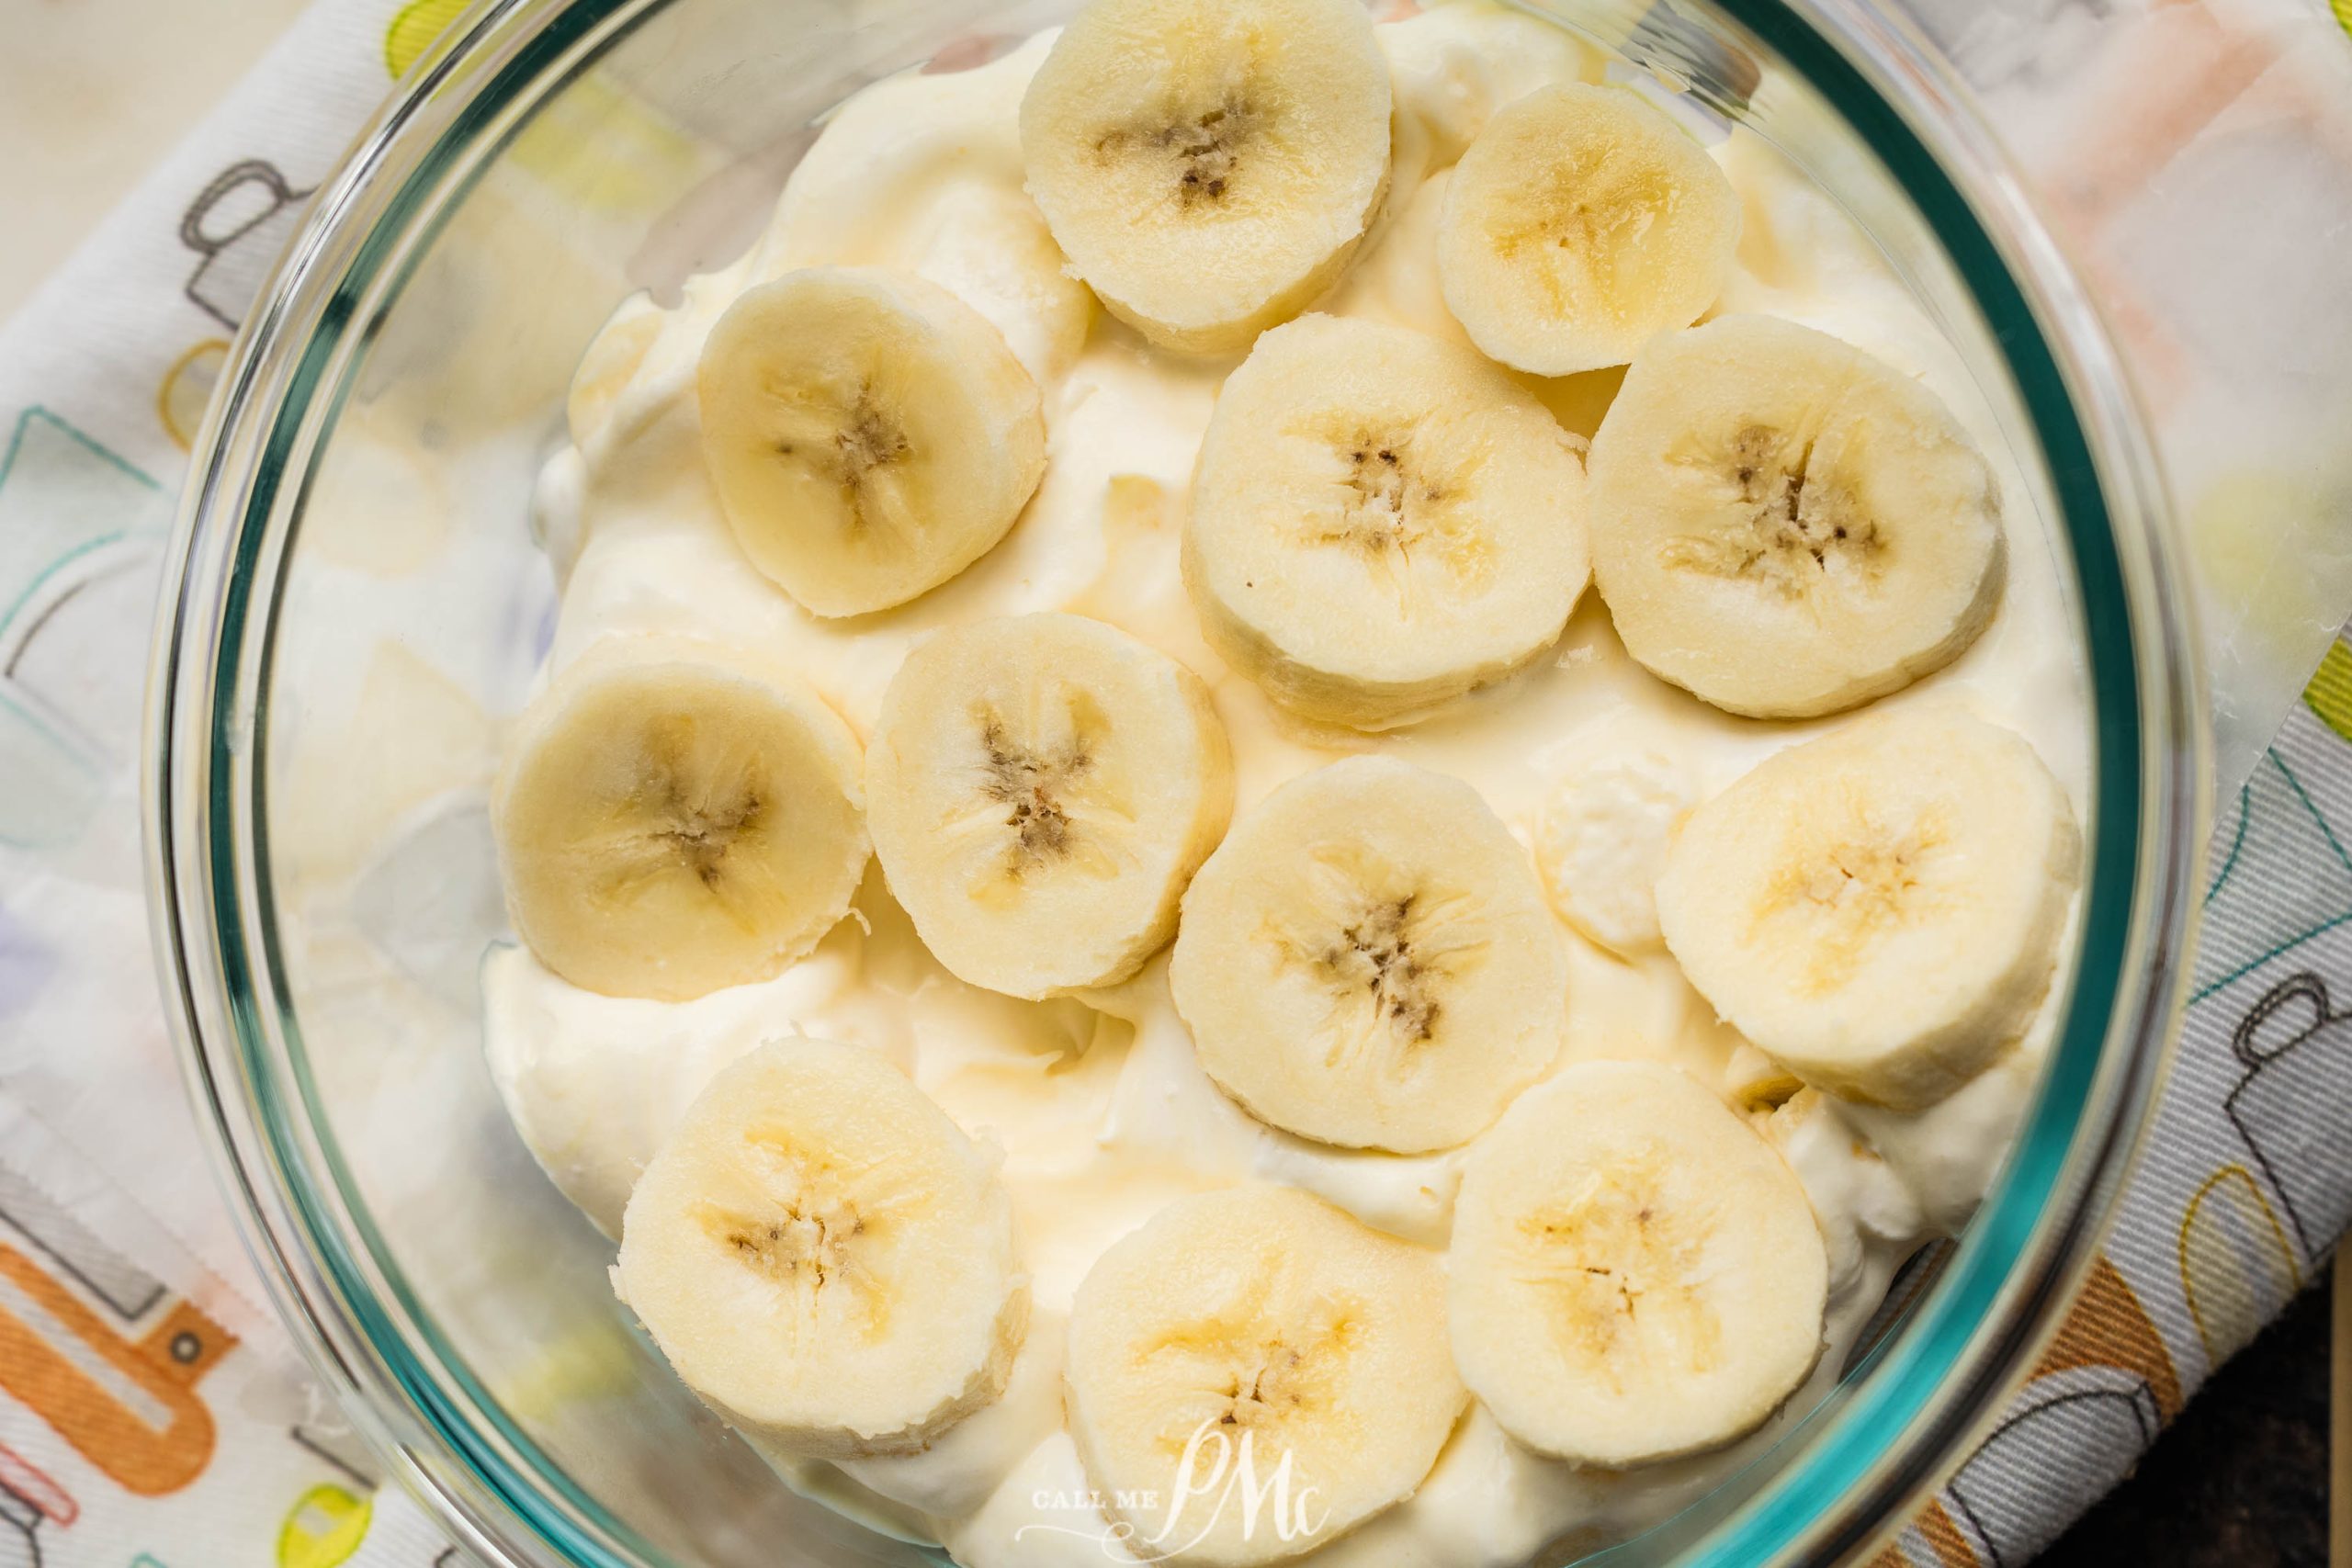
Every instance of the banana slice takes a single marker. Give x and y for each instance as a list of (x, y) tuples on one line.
[(1602, 841), (870, 433), (1581, 224), (1880, 910), (1784, 525), (1209, 169), (1634, 1273), (1380, 522), (1043, 787), (1257, 1340), (824, 1256), (1367, 960), (675, 816)]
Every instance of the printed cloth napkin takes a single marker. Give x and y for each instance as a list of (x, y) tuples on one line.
[(152, 1414)]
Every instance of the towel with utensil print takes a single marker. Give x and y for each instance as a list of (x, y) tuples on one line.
[(153, 1415)]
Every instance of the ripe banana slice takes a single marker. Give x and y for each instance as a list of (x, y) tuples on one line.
[(1784, 525), (824, 1256), (1880, 910), (1043, 787), (1581, 224), (675, 816), (1209, 169), (1602, 843), (1367, 960), (1256, 1340), (1634, 1273), (1380, 522), (870, 433)]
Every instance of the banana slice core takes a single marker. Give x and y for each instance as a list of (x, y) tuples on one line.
[(824, 1256), (1209, 170), (1634, 1273), (1785, 526), (1043, 788), (1880, 910), (675, 817), (1367, 960), (1258, 1333), (870, 435), (1579, 224), (1380, 523)]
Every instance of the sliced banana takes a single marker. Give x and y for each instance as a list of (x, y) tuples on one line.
[(1042, 788), (1635, 1274), (1880, 910), (1579, 224), (675, 816), (824, 1256), (1380, 522), (1367, 960), (1256, 1340), (1209, 168), (870, 433), (1785, 526), (1601, 844)]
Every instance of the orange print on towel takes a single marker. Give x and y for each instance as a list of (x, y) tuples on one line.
[(1938, 1535), (91, 1385), (2105, 1333), (2107, 1328)]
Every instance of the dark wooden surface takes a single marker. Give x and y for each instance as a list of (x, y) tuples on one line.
[(2240, 1479)]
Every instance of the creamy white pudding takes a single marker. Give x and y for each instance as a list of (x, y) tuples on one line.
[(1095, 1103)]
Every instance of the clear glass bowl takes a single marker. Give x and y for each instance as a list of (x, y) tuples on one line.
[(357, 607)]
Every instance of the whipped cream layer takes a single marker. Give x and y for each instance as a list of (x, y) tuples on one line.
[(1096, 1103)]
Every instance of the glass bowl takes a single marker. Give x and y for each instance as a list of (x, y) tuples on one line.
[(356, 607)]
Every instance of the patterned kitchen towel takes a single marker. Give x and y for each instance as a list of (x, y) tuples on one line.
[(153, 1415), (2244, 1188)]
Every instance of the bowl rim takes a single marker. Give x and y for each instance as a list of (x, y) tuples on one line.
[(1882, 1439)]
